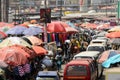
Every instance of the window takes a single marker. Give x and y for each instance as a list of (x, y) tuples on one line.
[(59, 2), (76, 70)]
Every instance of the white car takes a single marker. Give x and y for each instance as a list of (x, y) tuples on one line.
[(96, 47)]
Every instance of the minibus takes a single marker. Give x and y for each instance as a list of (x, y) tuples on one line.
[(80, 69)]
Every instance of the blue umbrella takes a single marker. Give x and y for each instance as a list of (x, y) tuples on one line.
[(112, 60), (16, 30), (33, 31), (71, 24)]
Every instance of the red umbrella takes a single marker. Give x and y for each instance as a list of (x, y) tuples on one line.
[(2, 35), (113, 35), (39, 50), (59, 27), (27, 50), (89, 25), (104, 56), (13, 56)]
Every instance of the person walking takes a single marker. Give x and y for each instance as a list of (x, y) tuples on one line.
[(59, 59)]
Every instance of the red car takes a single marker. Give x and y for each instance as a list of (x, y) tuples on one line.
[(80, 69)]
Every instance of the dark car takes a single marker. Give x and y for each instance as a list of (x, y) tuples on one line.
[(48, 75)]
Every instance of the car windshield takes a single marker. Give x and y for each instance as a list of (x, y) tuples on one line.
[(96, 48), (76, 70), (47, 78)]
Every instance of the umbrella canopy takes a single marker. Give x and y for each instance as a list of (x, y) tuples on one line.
[(107, 54), (112, 60), (104, 56), (3, 64), (34, 40), (33, 31), (5, 29), (16, 30), (27, 50), (39, 50), (89, 25), (113, 35), (116, 41), (13, 56), (24, 25), (12, 41), (103, 26), (59, 27), (2, 35), (114, 29)]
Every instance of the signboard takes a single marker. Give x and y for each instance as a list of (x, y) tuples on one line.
[(45, 15)]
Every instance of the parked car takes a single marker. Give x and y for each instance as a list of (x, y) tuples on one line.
[(48, 75), (80, 69)]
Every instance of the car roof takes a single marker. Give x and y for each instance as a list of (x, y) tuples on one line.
[(97, 44), (47, 73), (87, 54), (80, 62), (98, 39)]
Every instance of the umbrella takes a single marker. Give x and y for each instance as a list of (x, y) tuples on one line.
[(3, 64), (39, 50), (113, 35), (107, 54), (104, 56), (89, 25), (2, 35), (34, 40), (103, 26), (27, 50), (61, 27), (33, 31), (116, 41), (5, 29), (16, 30), (112, 60), (114, 29), (24, 25), (13, 56), (12, 41)]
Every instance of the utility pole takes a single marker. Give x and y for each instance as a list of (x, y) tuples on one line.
[(45, 24)]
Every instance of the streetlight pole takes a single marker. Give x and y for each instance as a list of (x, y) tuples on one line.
[(45, 24)]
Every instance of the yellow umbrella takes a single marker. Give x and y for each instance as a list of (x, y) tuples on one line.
[(115, 29)]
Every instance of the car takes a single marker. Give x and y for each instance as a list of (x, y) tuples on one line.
[(97, 47), (92, 55), (80, 69), (99, 41), (87, 54), (48, 75)]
